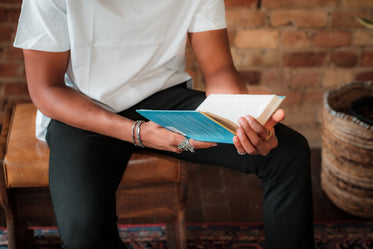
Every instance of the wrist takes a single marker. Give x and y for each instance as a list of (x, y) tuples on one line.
[(135, 133)]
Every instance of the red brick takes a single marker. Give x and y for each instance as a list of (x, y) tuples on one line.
[(314, 97), (293, 115), (251, 77), (299, 17), (12, 69), (344, 19), (332, 39), (16, 2), (304, 79), (5, 33), (12, 53), (367, 58), (363, 37), (281, 17), (3, 14), (357, 3), (16, 89), (257, 38), (304, 59), (365, 76), (335, 78), (244, 17), (344, 58), (310, 18), (293, 98), (276, 79), (13, 14), (288, 4), (2, 116), (2, 100), (240, 3), (295, 39)]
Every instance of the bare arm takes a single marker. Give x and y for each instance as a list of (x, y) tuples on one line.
[(45, 78), (213, 55)]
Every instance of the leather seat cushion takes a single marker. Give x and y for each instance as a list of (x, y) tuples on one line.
[(26, 158)]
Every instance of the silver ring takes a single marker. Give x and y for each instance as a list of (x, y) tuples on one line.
[(185, 145)]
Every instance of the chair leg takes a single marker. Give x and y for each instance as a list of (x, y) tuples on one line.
[(24, 236), (11, 229), (19, 236), (176, 231)]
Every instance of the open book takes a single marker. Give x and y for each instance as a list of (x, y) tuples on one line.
[(216, 119)]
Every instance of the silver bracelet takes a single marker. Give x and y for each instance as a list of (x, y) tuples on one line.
[(139, 123), (133, 133)]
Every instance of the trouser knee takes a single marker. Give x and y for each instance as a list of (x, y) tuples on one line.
[(292, 156)]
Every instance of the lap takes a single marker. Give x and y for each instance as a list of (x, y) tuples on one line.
[(180, 97), (291, 144)]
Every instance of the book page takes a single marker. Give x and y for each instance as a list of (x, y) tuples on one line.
[(234, 106)]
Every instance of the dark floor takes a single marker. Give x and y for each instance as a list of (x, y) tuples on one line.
[(215, 195)]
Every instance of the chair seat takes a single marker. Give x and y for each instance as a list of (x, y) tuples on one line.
[(26, 157)]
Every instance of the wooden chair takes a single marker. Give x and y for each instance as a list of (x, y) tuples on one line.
[(153, 185)]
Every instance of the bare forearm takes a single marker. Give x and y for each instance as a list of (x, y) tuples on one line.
[(75, 109), (45, 73), (213, 55), (225, 80)]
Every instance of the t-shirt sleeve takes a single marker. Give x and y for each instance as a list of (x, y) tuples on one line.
[(210, 15), (43, 26)]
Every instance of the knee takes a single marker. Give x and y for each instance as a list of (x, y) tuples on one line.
[(293, 145), (300, 147), (291, 158)]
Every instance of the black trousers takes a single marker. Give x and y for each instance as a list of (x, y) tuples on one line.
[(86, 168)]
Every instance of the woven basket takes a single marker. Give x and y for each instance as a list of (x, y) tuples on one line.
[(347, 151)]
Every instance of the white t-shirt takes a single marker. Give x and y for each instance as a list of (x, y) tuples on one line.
[(121, 51)]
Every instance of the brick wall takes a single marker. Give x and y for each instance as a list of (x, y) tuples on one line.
[(296, 48), (13, 87), (299, 49)]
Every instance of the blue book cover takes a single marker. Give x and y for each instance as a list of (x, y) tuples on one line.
[(191, 124)]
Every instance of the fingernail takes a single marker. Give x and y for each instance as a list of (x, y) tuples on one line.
[(235, 139)]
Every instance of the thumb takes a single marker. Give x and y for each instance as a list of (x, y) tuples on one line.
[(277, 117)]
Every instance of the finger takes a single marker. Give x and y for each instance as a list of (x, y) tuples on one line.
[(261, 131), (277, 117), (257, 135), (245, 141), (238, 145), (201, 145)]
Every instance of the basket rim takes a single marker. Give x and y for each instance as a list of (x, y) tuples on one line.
[(347, 117)]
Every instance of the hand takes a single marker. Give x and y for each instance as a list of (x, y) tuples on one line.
[(255, 139), (156, 137)]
